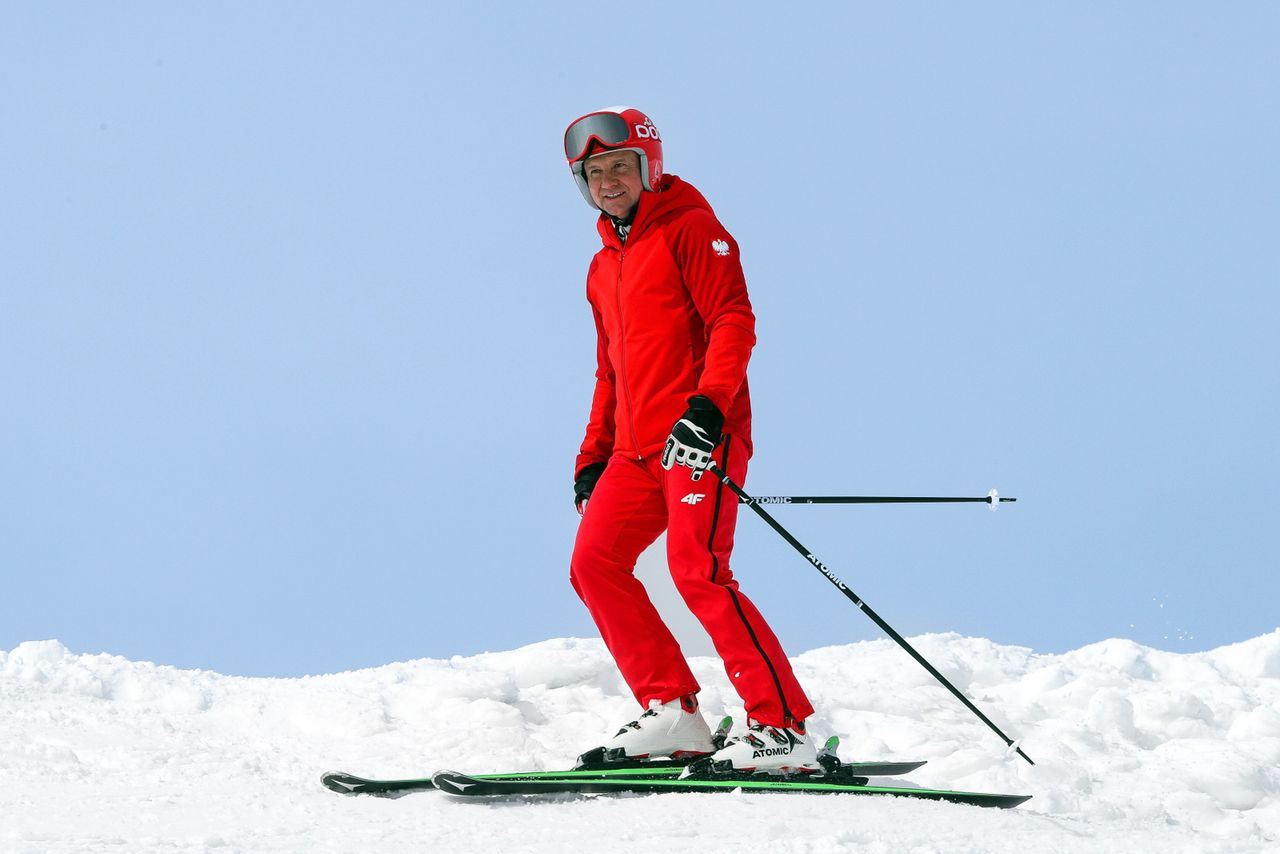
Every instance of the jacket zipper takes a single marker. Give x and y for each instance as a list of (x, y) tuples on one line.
[(622, 356)]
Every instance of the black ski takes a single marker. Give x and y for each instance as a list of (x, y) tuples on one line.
[(452, 783), (350, 784)]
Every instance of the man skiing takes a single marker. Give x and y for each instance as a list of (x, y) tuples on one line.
[(674, 331)]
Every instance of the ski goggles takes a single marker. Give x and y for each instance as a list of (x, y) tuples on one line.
[(606, 128)]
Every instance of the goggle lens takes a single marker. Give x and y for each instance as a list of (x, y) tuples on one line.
[(608, 128)]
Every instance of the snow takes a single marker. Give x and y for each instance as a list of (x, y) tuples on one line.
[(1137, 750)]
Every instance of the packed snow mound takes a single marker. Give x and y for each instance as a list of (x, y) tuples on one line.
[(1136, 750)]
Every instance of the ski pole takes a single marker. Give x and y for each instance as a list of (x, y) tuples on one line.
[(866, 609), (992, 498)]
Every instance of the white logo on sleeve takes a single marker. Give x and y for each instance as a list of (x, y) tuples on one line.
[(693, 497), (721, 246)]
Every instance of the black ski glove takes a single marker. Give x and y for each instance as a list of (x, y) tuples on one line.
[(585, 483), (694, 436)]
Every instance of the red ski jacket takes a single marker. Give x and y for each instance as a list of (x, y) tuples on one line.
[(672, 320)]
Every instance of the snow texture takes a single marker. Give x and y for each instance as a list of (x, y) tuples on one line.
[(1137, 750)]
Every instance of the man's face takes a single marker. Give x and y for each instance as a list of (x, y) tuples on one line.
[(614, 181)]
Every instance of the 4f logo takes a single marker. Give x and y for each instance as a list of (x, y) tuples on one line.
[(720, 246), (693, 497)]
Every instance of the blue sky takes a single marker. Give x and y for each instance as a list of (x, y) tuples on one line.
[(295, 355)]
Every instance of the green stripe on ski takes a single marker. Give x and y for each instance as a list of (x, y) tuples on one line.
[(632, 773)]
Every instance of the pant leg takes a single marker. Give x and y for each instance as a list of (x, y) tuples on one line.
[(699, 543), (625, 514)]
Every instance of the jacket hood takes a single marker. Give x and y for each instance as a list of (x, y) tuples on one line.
[(673, 194)]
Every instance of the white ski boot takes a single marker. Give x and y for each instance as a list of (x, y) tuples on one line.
[(675, 729), (768, 750)]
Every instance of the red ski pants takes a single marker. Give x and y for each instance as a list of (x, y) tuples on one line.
[(633, 502)]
